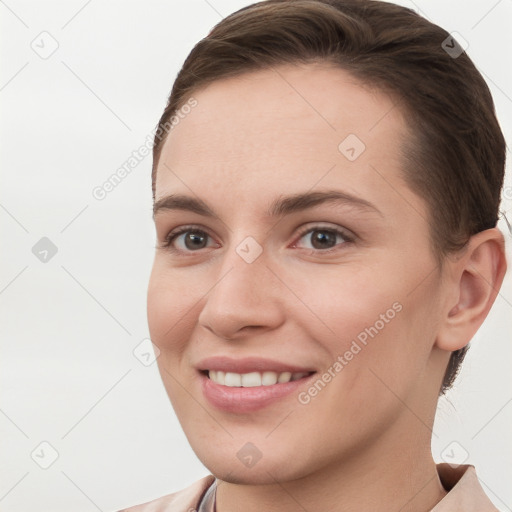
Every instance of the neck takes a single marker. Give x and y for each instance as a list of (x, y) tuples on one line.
[(403, 479)]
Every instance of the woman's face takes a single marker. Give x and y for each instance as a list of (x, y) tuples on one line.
[(267, 283)]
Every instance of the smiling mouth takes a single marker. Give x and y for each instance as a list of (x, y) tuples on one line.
[(253, 379)]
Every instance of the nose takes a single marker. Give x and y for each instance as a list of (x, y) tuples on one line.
[(245, 296)]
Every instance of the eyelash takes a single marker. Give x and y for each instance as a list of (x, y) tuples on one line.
[(348, 238)]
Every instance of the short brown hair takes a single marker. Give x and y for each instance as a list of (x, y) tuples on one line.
[(455, 158)]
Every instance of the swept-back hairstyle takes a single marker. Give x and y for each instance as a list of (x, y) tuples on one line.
[(455, 156)]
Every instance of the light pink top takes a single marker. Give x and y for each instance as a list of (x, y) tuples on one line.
[(465, 494)]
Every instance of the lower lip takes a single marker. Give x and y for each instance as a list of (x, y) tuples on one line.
[(240, 400)]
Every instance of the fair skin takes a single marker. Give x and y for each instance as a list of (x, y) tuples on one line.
[(363, 441)]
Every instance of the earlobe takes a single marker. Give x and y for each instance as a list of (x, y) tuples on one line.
[(477, 278)]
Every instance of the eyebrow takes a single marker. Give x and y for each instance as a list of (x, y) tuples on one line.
[(283, 205)]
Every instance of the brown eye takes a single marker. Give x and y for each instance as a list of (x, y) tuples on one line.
[(325, 239), (195, 240), (187, 240)]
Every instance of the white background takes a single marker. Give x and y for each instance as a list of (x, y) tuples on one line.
[(69, 326)]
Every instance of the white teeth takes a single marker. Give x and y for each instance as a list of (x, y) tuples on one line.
[(284, 377), (253, 379), (269, 378), (232, 379), (249, 380)]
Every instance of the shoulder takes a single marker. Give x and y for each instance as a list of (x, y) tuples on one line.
[(185, 500), (465, 493)]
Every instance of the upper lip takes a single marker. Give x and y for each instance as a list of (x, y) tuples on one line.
[(248, 365)]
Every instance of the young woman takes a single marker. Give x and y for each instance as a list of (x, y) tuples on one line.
[(326, 185)]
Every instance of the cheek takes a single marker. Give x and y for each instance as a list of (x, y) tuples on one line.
[(170, 308), (169, 314), (373, 323), (348, 305)]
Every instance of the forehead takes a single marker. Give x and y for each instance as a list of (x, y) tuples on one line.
[(284, 127)]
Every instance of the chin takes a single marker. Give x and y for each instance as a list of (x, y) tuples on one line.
[(266, 470), (251, 476)]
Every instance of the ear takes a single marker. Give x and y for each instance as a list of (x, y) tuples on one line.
[(475, 279)]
